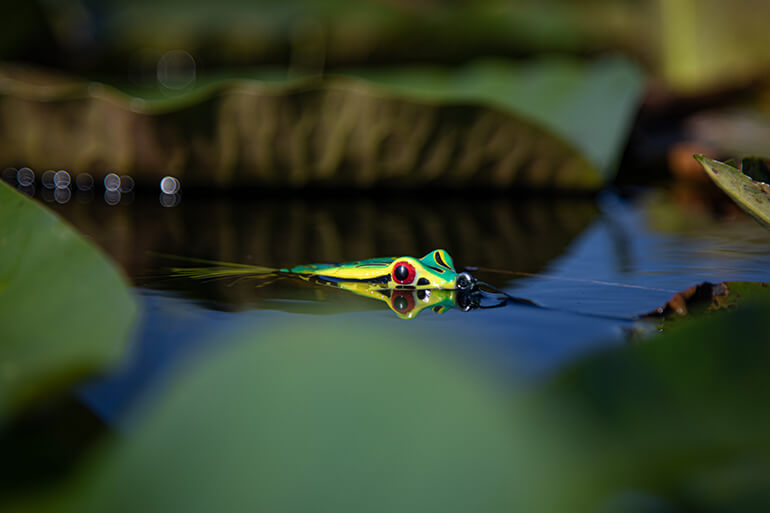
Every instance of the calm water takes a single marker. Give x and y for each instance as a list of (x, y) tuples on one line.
[(582, 258), (593, 262)]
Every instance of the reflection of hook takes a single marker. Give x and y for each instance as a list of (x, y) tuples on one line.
[(467, 301)]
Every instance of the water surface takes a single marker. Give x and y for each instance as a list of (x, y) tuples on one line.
[(592, 261)]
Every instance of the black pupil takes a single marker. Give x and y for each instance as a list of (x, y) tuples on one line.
[(400, 303), (401, 273)]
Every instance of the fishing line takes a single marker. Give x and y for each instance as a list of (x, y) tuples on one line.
[(563, 278), (528, 302)]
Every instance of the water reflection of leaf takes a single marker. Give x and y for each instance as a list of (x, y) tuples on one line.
[(518, 234), (64, 309), (558, 124)]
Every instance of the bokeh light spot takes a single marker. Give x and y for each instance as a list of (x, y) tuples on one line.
[(25, 177), (176, 69), (169, 185), (112, 182), (62, 179)]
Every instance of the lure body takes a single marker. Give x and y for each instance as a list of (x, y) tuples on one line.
[(408, 285), (433, 271)]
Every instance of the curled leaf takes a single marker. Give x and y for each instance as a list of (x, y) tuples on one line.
[(745, 186)]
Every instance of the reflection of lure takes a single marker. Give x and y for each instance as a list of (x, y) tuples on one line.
[(408, 285), (407, 303)]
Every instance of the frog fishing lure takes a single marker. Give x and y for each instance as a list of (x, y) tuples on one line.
[(433, 271), (408, 285)]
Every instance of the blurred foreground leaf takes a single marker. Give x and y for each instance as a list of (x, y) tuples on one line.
[(64, 309), (752, 193), (325, 418), (552, 124), (320, 418), (679, 420)]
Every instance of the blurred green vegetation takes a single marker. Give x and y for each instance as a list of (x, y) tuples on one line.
[(65, 311), (334, 418), (331, 417), (186, 55), (746, 186), (555, 124), (691, 44)]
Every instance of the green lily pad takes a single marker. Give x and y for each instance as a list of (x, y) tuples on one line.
[(332, 418), (679, 418), (317, 417), (551, 124), (751, 194), (710, 297), (65, 311)]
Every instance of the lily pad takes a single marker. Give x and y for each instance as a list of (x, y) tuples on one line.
[(710, 297), (751, 194), (333, 419), (65, 311), (341, 419), (555, 124), (677, 419)]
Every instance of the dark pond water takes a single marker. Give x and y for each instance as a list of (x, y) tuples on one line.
[(594, 262)]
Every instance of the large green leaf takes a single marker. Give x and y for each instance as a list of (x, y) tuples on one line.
[(679, 419), (590, 105), (552, 124), (327, 417), (324, 418), (64, 309), (752, 195)]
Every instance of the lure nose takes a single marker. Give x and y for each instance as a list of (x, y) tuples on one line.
[(464, 281)]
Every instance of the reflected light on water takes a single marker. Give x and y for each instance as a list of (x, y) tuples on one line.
[(25, 177), (112, 197), (29, 190), (169, 185), (62, 179), (169, 200), (62, 195), (112, 182), (47, 194)]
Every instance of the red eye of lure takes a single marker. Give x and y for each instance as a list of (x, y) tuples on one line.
[(403, 273)]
